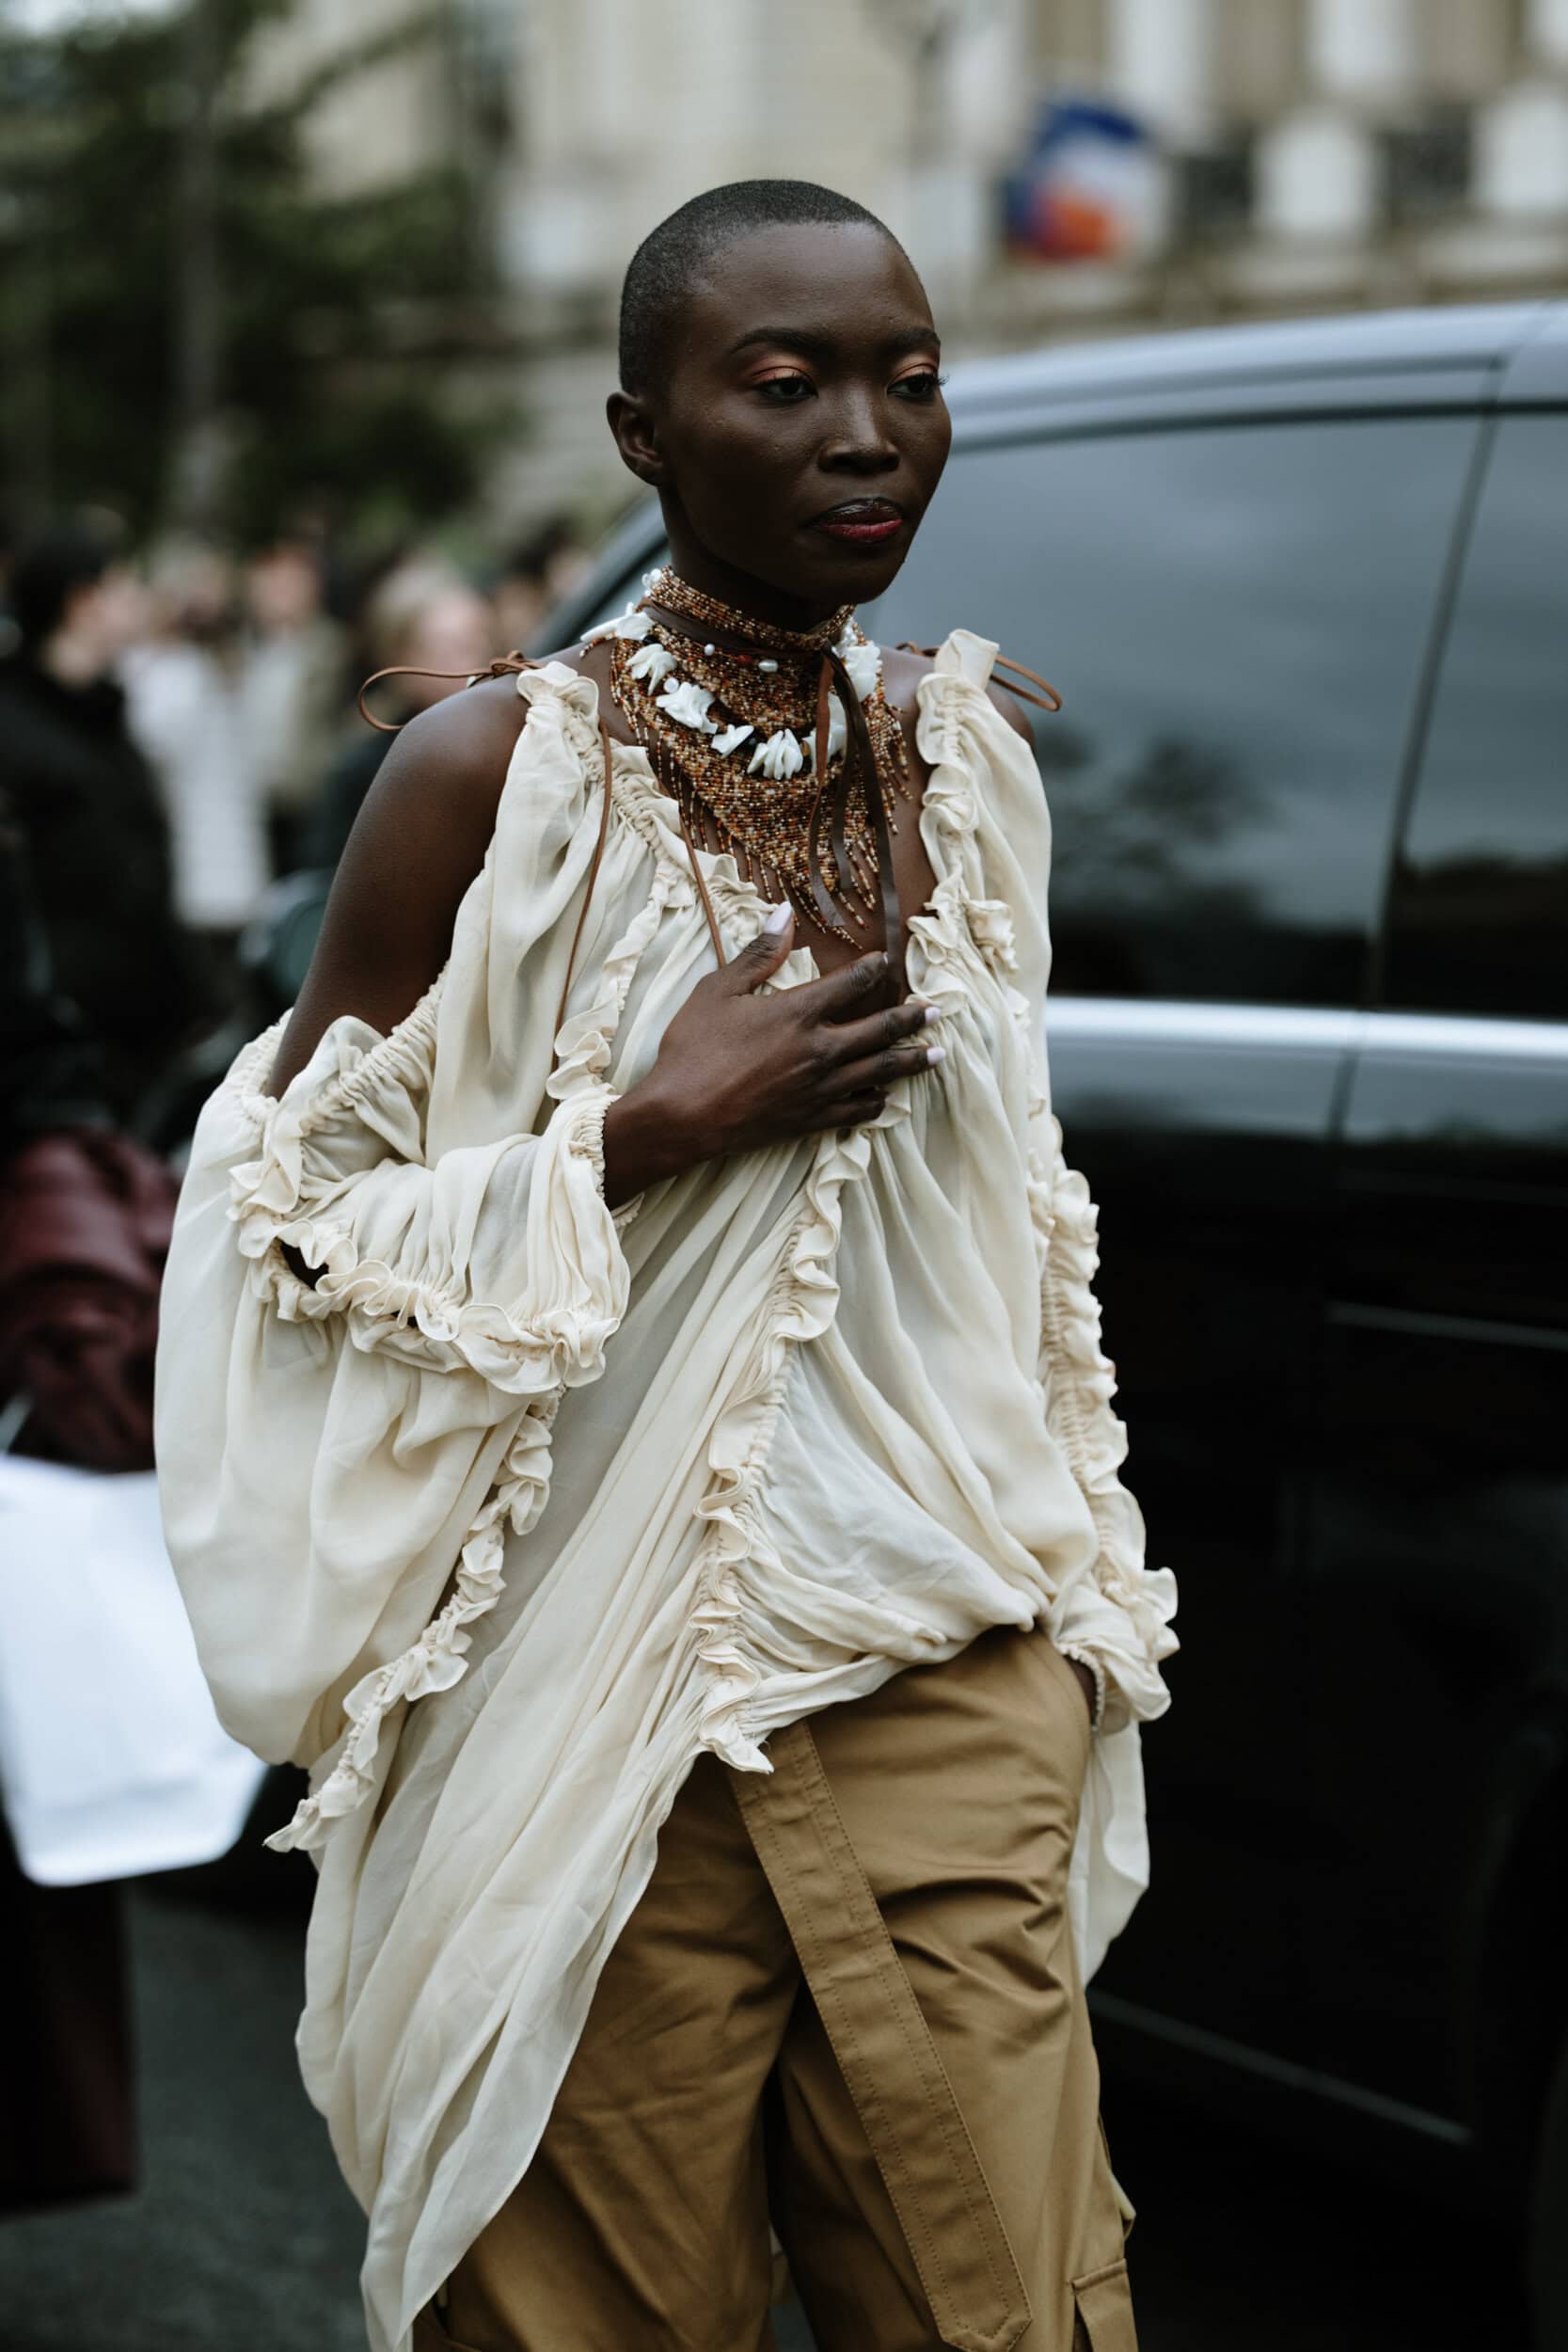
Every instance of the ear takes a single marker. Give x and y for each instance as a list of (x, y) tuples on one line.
[(636, 436)]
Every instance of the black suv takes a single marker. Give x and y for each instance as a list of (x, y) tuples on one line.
[(1305, 591)]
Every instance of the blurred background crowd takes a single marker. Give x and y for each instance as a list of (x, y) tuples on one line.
[(181, 731)]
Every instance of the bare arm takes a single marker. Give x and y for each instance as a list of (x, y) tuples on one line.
[(418, 841)]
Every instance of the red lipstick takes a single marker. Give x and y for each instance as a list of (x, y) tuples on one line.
[(863, 522)]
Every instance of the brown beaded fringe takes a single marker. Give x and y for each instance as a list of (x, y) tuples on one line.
[(763, 822)]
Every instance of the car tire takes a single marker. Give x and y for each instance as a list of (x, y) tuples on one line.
[(1546, 2244)]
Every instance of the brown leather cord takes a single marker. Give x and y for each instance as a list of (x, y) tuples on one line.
[(505, 665), (697, 876), (861, 767), (824, 729), (1004, 661)]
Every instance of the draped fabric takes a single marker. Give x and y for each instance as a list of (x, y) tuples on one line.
[(523, 1503)]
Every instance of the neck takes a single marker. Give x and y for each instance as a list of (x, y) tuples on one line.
[(745, 593)]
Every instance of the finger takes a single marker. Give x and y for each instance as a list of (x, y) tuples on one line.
[(843, 992), (880, 1069), (762, 955), (873, 1032), (853, 1110)]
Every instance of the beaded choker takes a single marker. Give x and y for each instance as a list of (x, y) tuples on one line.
[(735, 715)]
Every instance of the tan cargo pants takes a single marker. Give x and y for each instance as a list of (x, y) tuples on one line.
[(850, 2000)]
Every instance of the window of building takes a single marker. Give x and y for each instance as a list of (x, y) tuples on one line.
[(1478, 919), (1236, 619)]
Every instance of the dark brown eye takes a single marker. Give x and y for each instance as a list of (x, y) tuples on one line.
[(924, 385), (785, 390)]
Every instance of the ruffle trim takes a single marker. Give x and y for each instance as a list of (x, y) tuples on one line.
[(538, 1357), (401, 1059), (955, 710), (801, 1305), (1083, 1383), (542, 1358), (405, 1315), (272, 1202), (961, 922), (438, 1660)]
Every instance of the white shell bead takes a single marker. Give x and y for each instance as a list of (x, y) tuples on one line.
[(769, 666)]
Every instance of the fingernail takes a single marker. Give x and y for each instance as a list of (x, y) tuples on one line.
[(783, 913), (936, 1053), (932, 1012)]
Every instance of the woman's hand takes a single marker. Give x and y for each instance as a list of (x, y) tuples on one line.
[(737, 1071)]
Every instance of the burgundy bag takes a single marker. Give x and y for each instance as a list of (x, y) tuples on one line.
[(85, 1216), (85, 1221)]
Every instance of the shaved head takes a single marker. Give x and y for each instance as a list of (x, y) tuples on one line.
[(667, 264)]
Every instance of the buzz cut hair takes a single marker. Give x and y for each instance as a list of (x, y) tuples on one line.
[(675, 253)]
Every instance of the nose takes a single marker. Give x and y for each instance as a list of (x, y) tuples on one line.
[(860, 442)]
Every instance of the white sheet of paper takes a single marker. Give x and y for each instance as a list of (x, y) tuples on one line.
[(112, 1762)]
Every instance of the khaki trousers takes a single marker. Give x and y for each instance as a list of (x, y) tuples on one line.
[(848, 2000)]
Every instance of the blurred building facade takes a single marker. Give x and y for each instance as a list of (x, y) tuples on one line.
[(1156, 161)]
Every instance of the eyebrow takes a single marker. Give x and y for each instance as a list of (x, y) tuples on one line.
[(818, 343)]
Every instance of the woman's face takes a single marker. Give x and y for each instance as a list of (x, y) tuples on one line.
[(802, 429)]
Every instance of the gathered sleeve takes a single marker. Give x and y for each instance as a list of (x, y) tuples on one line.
[(339, 1460), (1118, 1621)]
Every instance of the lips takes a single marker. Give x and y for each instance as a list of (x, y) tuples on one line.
[(862, 522)]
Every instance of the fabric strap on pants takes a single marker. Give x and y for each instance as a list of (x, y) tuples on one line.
[(885, 2049)]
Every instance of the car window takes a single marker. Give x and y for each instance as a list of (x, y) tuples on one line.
[(1478, 917), (1236, 620)]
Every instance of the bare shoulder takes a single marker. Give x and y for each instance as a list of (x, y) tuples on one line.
[(417, 844), (902, 672), (448, 765), (440, 786)]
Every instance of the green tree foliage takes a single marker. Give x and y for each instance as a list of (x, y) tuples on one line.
[(334, 322)]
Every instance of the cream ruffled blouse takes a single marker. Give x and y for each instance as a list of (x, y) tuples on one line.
[(525, 1504)]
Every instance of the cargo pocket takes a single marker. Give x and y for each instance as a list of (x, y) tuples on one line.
[(1102, 2310)]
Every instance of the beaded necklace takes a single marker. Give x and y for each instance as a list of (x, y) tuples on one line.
[(731, 731)]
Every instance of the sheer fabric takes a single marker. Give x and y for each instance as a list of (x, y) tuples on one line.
[(524, 1504)]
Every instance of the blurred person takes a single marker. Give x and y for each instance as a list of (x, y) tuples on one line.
[(84, 1219), (87, 807), (186, 705), (97, 994), (423, 616), (541, 570), (292, 674), (725, 1782)]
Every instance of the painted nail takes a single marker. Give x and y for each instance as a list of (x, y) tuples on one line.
[(783, 913), (932, 1012), (936, 1053)]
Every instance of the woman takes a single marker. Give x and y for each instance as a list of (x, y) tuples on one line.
[(423, 615), (731, 1836)]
